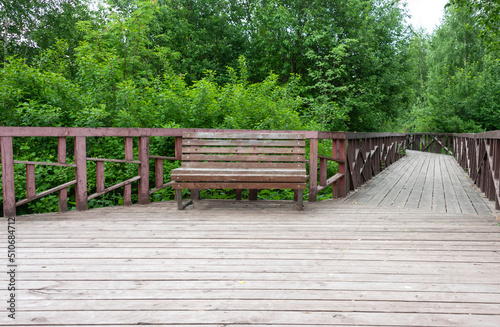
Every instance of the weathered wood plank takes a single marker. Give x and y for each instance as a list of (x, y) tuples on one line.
[(243, 135), (263, 178), (263, 317), (237, 157), (239, 185), (242, 150), (259, 143), (244, 165)]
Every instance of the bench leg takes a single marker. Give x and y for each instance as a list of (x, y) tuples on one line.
[(300, 200), (195, 195), (252, 195), (238, 194), (178, 196)]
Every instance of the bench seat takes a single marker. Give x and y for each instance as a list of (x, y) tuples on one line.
[(241, 161)]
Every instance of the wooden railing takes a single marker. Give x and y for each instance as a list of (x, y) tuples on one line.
[(369, 153), (479, 156), (360, 156), (429, 142), (80, 182)]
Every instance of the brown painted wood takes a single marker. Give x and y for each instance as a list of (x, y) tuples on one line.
[(162, 158), (243, 135), (287, 171), (158, 172), (221, 177), (242, 142), (100, 176), (245, 158), (114, 187), (61, 158), (241, 150), (129, 156), (30, 181), (81, 173), (44, 163), (244, 165), (239, 185), (113, 160), (144, 170), (313, 170), (42, 194)]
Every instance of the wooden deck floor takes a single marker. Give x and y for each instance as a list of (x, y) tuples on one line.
[(425, 181), (224, 263)]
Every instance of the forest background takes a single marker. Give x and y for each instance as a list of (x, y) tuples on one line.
[(333, 65)]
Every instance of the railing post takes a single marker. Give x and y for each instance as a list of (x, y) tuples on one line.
[(178, 148), (81, 173), (341, 156), (9, 190), (144, 170), (61, 158), (129, 155), (313, 170)]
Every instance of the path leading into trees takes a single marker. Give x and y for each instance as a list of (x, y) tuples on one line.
[(402, 251), (427, 181)]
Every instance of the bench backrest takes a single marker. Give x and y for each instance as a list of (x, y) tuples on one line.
[(248, 150)]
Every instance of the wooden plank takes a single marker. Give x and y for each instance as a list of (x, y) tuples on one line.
[(473, 194), (393, 187), (279, 317), (242, 150), (427, 191), (129, 156), (81, 173), (161, 187), (264, 178), (403, 197), (417, 190), (239, 185), (114, 187), (377, 185), (44, 163), (61, 158), (243, 165), (226, 304), (30, 181), (237, 157), (239, 171), (243, 135), (113, 160), (42, 194), (162, 158), (313, 170), (143, 152), (452, 204), (8, 184), (330, 181), (458, 181), (100, 176), (407, 292), (260, 143)]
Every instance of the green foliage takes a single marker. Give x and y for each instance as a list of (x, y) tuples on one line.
[(459, 90)]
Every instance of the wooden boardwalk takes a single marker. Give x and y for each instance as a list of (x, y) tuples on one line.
[(425, 181), (224, 263)]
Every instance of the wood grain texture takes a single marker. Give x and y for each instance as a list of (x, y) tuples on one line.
[(425, 181), (227, 263)]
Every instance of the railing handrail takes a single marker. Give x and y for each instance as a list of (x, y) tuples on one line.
[(8, 131), (357, 162)]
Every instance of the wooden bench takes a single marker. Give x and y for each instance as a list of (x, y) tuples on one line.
[(239, 161)]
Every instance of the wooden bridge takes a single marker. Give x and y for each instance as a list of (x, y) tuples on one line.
[(408, 241)]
